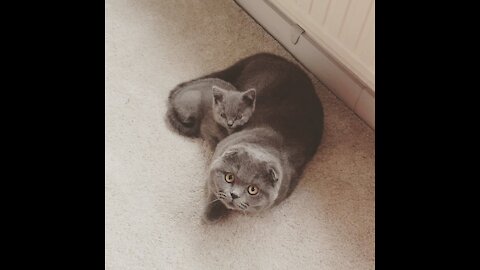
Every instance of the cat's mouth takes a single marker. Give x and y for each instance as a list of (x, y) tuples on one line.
[(230, 205), (234, 206)]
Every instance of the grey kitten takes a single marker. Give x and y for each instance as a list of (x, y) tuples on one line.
[(260, 166), (232, 109), (209, 108)]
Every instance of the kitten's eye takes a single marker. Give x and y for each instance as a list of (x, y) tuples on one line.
[(240, 116), (252, 190), (229, 178), (222, 115)]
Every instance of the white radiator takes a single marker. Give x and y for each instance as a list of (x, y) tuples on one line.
[(335, 39), (345, 28)]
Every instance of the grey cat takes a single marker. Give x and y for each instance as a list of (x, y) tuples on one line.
[(209, 108), (260, 165)]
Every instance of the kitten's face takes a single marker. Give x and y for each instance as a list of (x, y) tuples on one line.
[(244, 180), (232, 109)]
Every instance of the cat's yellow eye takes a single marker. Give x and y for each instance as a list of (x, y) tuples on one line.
[(229, 178), (252, 190)]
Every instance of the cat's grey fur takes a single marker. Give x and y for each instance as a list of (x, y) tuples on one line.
[(209, 108), (276, 143)]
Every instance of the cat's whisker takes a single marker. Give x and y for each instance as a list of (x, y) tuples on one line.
[(222, 196), (243, 205), (213, 201)]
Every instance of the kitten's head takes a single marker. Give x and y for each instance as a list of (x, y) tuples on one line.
[(232, 109), (245, 179)]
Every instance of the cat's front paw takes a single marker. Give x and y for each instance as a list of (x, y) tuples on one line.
[(214, 213), (212, 142)]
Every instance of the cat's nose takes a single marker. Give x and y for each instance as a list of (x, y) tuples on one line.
[(234, 196), (230, 123)]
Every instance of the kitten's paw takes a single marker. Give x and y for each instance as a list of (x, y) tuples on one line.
[(214, 213)]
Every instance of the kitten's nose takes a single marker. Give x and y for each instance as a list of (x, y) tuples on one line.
[(234, 196), (230, 123)]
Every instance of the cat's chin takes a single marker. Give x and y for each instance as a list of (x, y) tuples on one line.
[(229, 205)]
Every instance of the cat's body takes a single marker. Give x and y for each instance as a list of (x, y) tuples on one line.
[(279, 139), (259, 166), (209, 108)]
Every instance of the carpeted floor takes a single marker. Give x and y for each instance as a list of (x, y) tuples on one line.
[(154, 178)]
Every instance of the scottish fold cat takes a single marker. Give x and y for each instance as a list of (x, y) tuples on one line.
[(259, 165)]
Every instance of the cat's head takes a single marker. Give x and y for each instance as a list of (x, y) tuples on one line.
[(245, 179), (231, 108)]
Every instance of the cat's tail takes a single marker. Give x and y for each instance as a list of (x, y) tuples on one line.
[(185, 124), (187, 127)]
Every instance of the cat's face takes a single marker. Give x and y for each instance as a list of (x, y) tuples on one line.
[(232, 109), (245, 180)]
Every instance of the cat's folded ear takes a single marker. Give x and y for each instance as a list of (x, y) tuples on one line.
[(217, 94), (273, 174), (249, 96), (230, 153)]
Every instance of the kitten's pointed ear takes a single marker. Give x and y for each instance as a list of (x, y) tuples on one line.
[(249, 96), (217, 94)]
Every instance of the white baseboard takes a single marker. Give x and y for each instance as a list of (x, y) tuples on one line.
[(331, 73)]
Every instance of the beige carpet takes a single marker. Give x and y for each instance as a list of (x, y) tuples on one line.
[(154, 178)]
